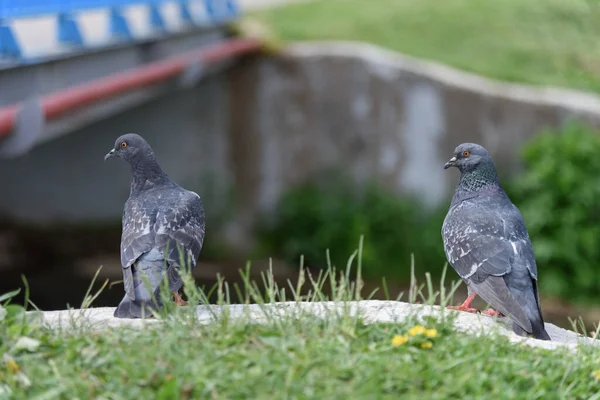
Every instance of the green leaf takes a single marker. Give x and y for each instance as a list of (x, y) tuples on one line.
[(9, 295)]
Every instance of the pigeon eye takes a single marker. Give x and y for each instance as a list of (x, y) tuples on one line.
[(123, 144), (466, 153)]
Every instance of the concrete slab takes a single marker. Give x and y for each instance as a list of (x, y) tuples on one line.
[(371, 311)]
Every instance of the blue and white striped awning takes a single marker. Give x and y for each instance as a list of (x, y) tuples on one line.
[(39, 28)]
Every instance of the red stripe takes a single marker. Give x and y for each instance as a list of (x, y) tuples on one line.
[(59, 103), (7, 119)]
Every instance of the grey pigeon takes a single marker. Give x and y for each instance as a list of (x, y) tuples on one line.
[(486, 242), (159, 219)]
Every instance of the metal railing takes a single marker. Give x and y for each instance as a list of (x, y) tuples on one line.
[(68, 30)]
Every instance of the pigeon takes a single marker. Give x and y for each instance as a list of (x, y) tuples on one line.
[(163, 224), (486, 242)]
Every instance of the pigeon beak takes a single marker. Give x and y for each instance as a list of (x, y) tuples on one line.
[(110, 154), (450, 163)]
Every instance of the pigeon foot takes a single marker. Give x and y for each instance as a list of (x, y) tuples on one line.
[(178, 300), (461, 308), (493, 313), (466, 306)]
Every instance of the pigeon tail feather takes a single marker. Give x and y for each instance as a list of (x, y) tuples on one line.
[(538, 331), (495, 292), (148, 273), (136, 309)]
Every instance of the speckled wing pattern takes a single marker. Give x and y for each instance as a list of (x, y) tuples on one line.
[(480, 242), (168, 219), (484, 241)]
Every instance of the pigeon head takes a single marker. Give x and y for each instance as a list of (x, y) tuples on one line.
[(146, 173), (131, 148), (477, 170), (468, 157)]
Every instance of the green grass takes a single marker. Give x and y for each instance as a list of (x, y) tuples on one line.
[(554, 42), (301, 357), (295, 359)]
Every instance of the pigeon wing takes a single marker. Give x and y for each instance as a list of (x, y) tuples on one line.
[(474, 243), (169, 222), (180, 228), (478, 248), (516, 232), (495, 292)]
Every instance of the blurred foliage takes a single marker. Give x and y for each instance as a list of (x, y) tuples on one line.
[(16, 327), (312, 218), (559, 197)]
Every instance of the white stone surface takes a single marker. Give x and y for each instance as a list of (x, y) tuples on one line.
[(371, 311)]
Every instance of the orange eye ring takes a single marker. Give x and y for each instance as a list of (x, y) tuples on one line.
[(123, 144), (466, 153)]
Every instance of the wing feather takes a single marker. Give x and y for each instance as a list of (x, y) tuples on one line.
[(181, 227), (495, 292), (479, 242)]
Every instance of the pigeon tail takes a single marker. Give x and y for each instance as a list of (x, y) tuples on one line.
[(538, 331), (136, 309), (148, 273), (524, 289), (495, 292)]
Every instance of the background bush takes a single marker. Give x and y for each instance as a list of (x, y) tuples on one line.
[(559, 196), (313, 217)]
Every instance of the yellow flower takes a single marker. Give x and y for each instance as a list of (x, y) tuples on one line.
[(416, 330), (12, 365), (596, 374), (426, 345), (431, 333), (399, 340)]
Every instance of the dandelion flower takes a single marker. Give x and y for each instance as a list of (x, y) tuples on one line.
[(431, 333), (596, 374), (12, 365), (417, 330), (426, 345), (399, 340)]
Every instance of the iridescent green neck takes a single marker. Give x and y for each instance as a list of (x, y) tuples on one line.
[(476, 182), (481, 177)]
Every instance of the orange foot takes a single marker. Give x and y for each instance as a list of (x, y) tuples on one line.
[(466, 306), (493, 313), (178, 300)]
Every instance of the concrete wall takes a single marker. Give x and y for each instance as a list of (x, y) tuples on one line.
[(379, 115), (269, 123)]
